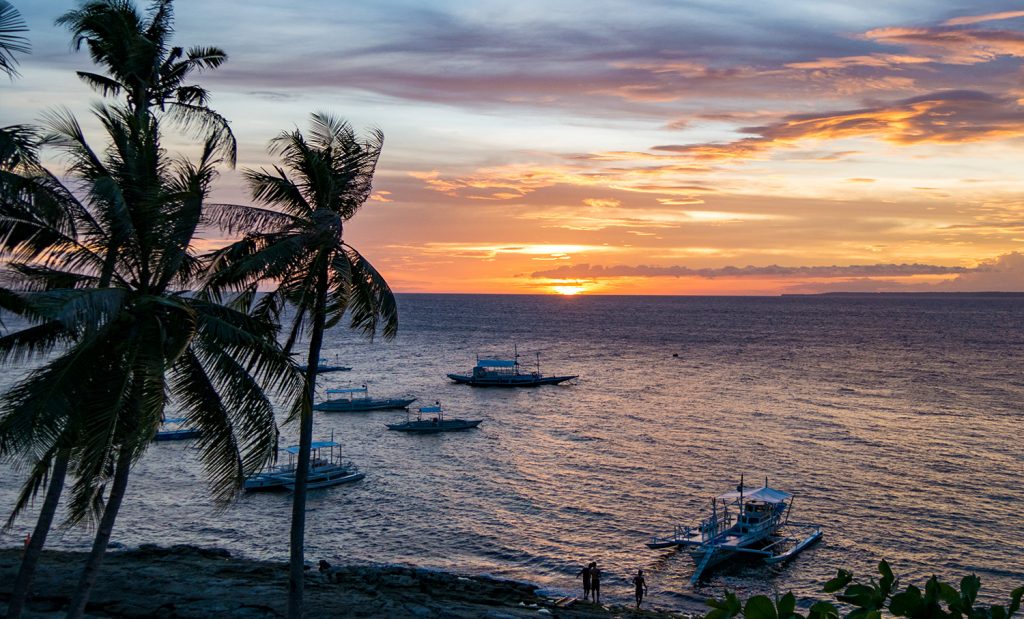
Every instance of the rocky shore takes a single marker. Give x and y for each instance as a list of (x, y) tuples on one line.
[(185, 581)]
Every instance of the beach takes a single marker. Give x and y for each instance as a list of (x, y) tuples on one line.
[(188, 581)]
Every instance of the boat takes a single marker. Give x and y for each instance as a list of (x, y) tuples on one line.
[(324, 366), (506, 373), (172, 430), (324, 470), (430, 420), (745, 522), (357, 399)]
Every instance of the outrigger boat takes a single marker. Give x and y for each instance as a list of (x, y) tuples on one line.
[(433, 422), (506, 373), (324, 470), (324, 366), (753, 522), (357, 399), (172, 430)]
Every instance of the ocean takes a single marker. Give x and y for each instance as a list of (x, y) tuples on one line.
[(896, 421)]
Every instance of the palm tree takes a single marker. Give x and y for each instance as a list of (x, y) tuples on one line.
[(142, 64), (152, 74), (130, 346), (325, 178), (11, 41)]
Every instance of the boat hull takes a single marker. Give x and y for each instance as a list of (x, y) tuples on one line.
[(177, 435), (324, 369), (509, 381), (357, 406)]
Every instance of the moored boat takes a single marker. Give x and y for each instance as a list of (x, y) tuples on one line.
[(357, 400), (431, 419), (172, 430), (506, 373), (324, 366), (753, 522), (325, 469)]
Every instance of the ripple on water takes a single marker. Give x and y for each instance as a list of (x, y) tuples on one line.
[(895, 423)]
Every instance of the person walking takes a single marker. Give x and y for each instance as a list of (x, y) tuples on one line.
[(595, 582), (585, 573), (641, 586)]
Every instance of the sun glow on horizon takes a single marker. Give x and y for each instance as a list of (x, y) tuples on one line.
[(567, 291)]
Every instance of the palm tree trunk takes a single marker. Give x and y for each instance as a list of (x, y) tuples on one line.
[(99, 545), (35, 547), (297, 573)]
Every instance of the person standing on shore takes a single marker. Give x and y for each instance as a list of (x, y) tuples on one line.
[(641, 586), (595, 582), (585, 573)]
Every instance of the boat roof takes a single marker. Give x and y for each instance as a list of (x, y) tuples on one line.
[(348, 390), (294, 449), (766, 494), (495, 363), (430, 409)]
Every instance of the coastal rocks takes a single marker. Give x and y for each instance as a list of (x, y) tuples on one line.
[(190, 582)]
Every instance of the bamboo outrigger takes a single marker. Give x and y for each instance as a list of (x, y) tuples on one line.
[(754, 522)]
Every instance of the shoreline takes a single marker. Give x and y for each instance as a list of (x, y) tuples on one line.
[(189, 581)]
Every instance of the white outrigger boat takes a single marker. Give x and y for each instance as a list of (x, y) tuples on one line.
[(358, 400), (433, 422), (506, 373), (324, 470), (752, 522)]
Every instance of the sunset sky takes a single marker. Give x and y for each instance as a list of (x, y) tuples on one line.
[(642, 147)]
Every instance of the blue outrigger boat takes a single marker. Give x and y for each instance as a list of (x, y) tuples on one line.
[(751, 522), (506, 373), (172, 430)]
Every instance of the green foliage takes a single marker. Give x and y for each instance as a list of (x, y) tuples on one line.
[(869, 600)]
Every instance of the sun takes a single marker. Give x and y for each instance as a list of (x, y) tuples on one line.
[(567, 291)]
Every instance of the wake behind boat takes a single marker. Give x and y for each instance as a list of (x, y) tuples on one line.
[(430, 419), (506, 373), (755, 526), (358, 400), (324, 470)]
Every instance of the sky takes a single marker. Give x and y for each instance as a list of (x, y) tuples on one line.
[(641, 147)]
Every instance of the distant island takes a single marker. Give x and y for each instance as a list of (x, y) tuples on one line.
[(904, 294)]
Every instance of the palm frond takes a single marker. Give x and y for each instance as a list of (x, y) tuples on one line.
[(11, 42), (193, 116), (235, 218), (19, 146), (37, 477), (101, 83), (362, 290)]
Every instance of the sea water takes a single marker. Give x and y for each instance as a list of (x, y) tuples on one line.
[(895, 421)]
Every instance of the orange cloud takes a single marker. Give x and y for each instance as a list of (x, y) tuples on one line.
[(974, 19), (872, 60), (953, 45), (595, 272), (944, 117)]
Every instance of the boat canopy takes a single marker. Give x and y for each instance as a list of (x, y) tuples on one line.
[(349, 390), (430, 409), (175, 420), (765, 494), (294, 449), (495, 363)]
